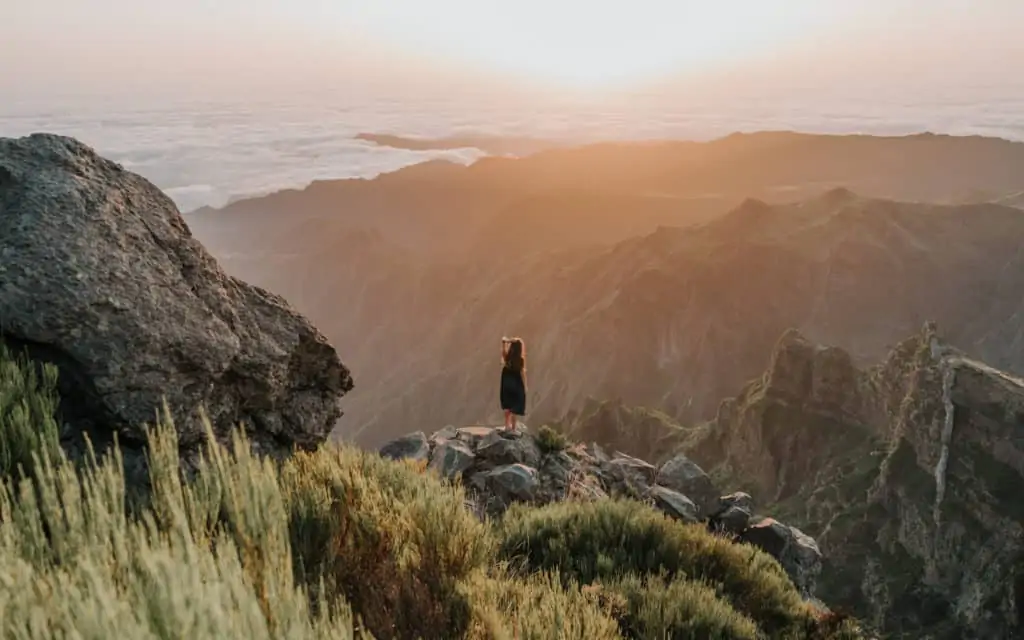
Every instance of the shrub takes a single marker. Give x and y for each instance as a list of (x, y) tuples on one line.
[(679, 609), (610, 540), (537, 607), (551, 440), (395, 543)]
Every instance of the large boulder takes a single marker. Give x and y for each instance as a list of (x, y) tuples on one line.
[(797, 552), (500, 447), (414, 446), (100, 275), (628, 476), (451, 457), (674, 504)]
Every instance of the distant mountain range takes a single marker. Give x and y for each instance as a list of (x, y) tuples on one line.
[(644, 272), (496, 145)]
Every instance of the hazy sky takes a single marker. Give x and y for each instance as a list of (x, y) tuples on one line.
[(50, 45)]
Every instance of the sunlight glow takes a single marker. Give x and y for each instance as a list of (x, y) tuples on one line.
[(592, 43)]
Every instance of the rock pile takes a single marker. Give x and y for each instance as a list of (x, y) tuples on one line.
[(500, 468)]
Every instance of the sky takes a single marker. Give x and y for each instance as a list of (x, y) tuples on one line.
[(48, 46)]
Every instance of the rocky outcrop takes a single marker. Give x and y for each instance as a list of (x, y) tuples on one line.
[(797, 552), (100, 275), (907, 474), (500, 468)]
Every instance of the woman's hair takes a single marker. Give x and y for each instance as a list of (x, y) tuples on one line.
[(515, 357)]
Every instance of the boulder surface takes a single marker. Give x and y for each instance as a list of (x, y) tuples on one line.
[(100, 275)]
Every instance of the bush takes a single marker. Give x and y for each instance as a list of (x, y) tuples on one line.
[(538, 607), (395, 543), (609, 541), (659, 608), (550, 440)]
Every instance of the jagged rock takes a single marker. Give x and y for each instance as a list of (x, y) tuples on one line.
[(733, 514), (451, 457), (907, 474), (737, 500), (507, 448), (685, 476), (448, 432), (414, 446), (675, 504), (797, 552), (732, 520), (629, 475), (555, 475), (100, 275), (513, 481)]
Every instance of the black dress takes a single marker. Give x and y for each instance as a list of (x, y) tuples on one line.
[(513, 392)]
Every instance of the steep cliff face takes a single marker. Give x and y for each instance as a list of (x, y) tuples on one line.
[(908, 474)]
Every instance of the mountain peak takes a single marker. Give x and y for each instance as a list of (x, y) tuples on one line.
[(909, 468)]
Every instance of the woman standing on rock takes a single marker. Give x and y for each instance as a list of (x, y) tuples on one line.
[(513, 380)]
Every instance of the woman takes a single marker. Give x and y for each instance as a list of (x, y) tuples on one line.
[(513, 380)]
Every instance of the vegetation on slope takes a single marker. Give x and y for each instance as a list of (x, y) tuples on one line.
[(341, 543)]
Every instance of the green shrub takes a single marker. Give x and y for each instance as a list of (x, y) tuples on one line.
[(610, 540), (395, 543), (551, 440), (537, 607), (678, 609)]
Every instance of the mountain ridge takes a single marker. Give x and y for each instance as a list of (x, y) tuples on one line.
[(676, 318), (901, 471)]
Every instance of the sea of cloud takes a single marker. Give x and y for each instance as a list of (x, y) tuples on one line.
[(208, 153)]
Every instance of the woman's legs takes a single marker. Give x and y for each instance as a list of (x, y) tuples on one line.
[(508, 419)]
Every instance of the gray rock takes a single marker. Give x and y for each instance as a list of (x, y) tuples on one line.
[(797, 552), (450, 458), (504, 448), (514, 481), (674, 504), (414, 446), (472, 436), (740, 500), (685, 476), (446, 433), (629, 474), (733, 515), (733, 520), (100, 275)]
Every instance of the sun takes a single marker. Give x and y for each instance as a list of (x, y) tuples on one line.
[(588, 44)]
